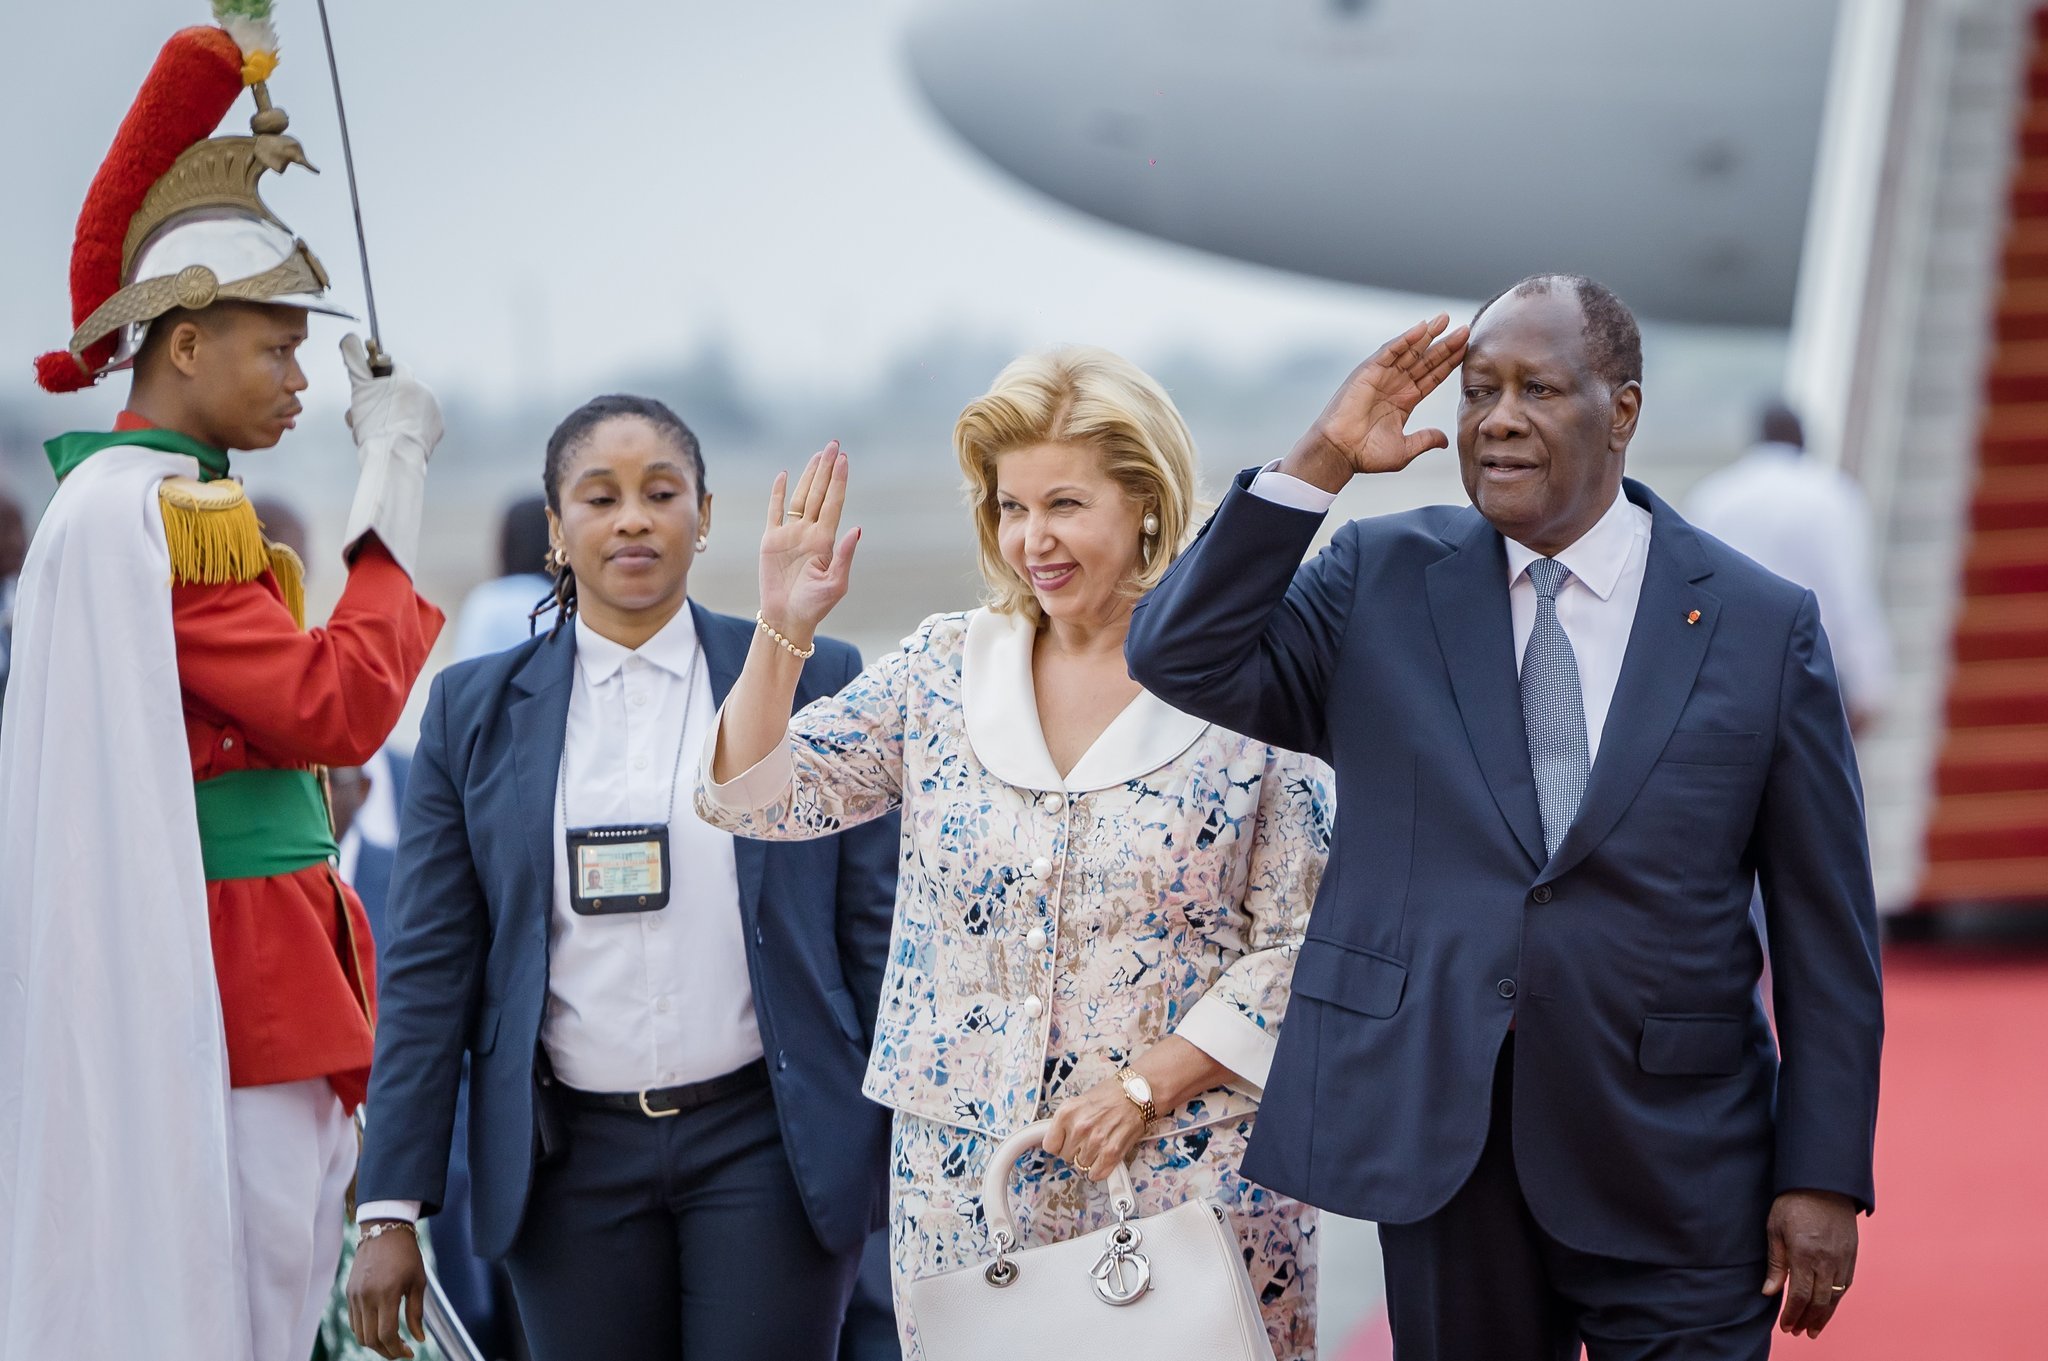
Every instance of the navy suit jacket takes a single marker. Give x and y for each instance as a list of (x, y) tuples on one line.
[(1653, 1118), (466, 963)]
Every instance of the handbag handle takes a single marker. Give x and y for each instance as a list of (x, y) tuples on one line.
[(995, 1184)]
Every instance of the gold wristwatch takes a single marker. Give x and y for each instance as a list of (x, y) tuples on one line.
[(1139, 1092)]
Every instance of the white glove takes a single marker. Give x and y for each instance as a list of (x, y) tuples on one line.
[(397, 423)]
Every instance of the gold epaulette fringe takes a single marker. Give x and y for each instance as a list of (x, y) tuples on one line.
[(291, 580), (213, 532), (216, 540)]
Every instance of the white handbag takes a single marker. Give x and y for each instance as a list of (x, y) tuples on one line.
[(1170, 1284)]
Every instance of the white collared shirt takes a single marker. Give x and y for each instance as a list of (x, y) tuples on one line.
[(641, 999), (1596, 607), (645, 999)]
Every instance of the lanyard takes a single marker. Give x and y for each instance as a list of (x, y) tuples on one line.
[(682, 740)]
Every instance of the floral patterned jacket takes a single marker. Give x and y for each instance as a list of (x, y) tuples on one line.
[(1048, 930)]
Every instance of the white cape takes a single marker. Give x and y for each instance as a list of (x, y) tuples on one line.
[(118, 1232)]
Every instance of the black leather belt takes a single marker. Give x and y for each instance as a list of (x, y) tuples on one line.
[(658, 1103)]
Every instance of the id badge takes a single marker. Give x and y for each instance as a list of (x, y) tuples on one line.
[(617, 869)]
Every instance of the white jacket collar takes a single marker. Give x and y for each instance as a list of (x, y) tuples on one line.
[(1002, 717)]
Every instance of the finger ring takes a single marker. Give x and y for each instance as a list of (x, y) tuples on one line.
[(1084, 1168), (792, 515), (1838, 1289)]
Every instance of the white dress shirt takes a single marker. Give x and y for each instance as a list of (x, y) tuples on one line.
[(641, 999), (1808, 523), (646, 999), (1596, 607)]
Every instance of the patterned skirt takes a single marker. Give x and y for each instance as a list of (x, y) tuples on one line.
[(935, 1221)]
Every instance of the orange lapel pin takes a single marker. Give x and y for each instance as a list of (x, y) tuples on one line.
[(1693, 618)]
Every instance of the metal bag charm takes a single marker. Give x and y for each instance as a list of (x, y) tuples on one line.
[(1122, 1274)]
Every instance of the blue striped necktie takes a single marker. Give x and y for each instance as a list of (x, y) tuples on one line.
[(1553, 708)]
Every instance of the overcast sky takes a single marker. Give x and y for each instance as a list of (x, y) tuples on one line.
[(559, 193)]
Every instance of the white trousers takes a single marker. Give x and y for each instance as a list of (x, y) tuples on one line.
[(294, 1151)]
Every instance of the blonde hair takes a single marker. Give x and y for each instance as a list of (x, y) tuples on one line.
[(1079, 395)]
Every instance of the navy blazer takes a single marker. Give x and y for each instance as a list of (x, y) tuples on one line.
[(1653, 1119), (466, 964)]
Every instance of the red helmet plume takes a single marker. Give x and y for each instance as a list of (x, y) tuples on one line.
[(196, 80)]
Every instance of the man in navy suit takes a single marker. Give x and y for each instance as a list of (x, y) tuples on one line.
[(1569, 732)]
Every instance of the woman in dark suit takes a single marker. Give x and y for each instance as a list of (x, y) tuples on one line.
[(667, 1026)]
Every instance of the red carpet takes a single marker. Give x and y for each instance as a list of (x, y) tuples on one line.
[(1954, 1266)]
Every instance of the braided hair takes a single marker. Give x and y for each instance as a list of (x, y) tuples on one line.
[(569, 437)]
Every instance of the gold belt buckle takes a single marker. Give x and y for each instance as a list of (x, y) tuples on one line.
[(650, 1112)]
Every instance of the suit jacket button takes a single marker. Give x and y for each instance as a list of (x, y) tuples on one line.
[(1506, 987), (1542, 893), (781, 1060)]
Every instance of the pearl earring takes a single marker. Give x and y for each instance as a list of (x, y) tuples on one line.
[(1151, 524), (702, 543)]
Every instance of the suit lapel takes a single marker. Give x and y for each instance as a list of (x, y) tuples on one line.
[(725, 641), (1663, 660), (1468, 602), (539, 718)]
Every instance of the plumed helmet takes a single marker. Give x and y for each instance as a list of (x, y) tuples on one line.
[(173, 219)]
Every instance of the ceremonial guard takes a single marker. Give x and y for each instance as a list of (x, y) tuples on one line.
[(186, 988)]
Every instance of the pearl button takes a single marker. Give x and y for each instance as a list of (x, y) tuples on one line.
[(1036, 940), (1032, 1006), (227, 744), (1054, 803), (1041, 867)]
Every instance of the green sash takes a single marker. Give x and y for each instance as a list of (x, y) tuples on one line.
[(66, 452), (254, 824)]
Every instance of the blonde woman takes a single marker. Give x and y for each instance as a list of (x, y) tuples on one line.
[(1100, 898)]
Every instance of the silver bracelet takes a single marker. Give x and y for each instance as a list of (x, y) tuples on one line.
[(377, 1228)]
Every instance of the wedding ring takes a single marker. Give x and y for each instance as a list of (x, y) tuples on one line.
[(1838, 1289), (792, 515)]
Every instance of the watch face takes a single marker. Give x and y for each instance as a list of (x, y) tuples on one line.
[(1139, 1087)]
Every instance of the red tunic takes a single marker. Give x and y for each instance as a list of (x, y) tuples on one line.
[(292, 953)]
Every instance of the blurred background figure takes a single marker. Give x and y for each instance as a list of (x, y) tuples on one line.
[(499, 613), (282, 524), (1807, 521), (13, 550)]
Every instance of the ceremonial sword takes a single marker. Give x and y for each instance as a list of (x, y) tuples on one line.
[(380, 362)]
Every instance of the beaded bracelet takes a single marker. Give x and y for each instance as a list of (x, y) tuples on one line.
[(802, 654)]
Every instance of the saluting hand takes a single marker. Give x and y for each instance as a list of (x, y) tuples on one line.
[(1363, 429), (804, 562)]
